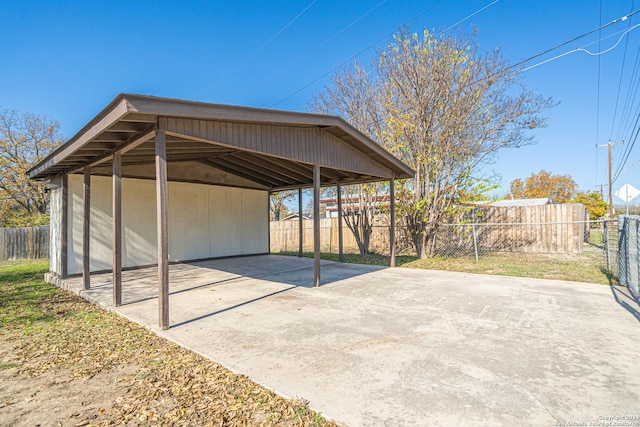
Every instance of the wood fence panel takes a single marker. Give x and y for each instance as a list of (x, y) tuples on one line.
[(556, 228), (24, 243)]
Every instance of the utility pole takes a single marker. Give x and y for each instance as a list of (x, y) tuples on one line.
[(609, 145)]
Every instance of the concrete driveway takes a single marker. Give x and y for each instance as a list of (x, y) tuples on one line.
[(404, 347)]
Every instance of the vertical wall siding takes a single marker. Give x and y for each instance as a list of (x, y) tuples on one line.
[(205, 221), (309, 145)]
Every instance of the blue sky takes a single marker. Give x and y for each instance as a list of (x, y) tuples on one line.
[(67, 60)]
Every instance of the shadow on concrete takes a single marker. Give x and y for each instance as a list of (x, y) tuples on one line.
[(289, 271), (204, 316), (141, 284), (621, 295)]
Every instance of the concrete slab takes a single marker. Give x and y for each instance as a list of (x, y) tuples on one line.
[(382, 346)]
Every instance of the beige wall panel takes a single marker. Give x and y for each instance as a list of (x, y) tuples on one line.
[(205, 221), (188, 221), (74, 227), (255, 222), (100, 241), (138, 222), (225, 207), (139, 241)]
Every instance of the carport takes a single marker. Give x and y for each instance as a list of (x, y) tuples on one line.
[(211, 168)]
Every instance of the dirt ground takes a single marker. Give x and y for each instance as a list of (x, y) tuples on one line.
[(55, 398), (60, 397)]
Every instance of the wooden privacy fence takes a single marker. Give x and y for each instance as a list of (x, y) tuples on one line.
[(560, 228), (284, 236), (24, 243), (551, 229)]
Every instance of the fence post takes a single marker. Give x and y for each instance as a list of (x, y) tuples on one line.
[(635, 281), (622, 251), (632, 251), (475, 240), (605, 242)]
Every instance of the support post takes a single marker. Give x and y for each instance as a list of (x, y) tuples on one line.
[(64, 227), (162, 210), (316, 225), (340, 240), (117, 229), (392, 221), (86, 228), (300, 223)]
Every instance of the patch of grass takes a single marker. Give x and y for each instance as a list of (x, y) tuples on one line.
[(8, 365), (24, 297), (585, 267)]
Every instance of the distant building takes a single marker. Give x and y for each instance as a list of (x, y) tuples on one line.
[(350, 205), (521, 202), (294, 216)]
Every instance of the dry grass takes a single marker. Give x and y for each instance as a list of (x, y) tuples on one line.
[(53, 333), (585, 267)]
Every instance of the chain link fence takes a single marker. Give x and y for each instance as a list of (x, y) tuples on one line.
[(595, 240), (629, 252)]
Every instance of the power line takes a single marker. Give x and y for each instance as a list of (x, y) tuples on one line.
[(627, 116), (628, 152), (315, 49), (598, 85), (630, 98), (624, 59), (268, 42), (524, 61), (375, 43), (581, 49)]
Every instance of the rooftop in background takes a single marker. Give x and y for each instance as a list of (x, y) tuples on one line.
[(521, 202)]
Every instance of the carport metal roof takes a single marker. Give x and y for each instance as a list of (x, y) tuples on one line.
[(266, 149)]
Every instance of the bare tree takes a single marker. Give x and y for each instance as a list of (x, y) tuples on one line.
[(361, 203), (277, 203), (445, 109), (25, 139), (352, 96)]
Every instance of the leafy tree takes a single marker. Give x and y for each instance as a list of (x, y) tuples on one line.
[(594, 203), (445, 109), (25, 139), (558, 188)]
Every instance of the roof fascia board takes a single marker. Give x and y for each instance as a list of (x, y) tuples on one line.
[(114, 112), (170, 107)]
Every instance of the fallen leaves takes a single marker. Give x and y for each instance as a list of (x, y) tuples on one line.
[(159, 383)]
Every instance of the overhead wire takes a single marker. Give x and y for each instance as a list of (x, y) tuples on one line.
[(624, 59), (351, 58), (630, 98), (342, 30), (580, 49), (598, 77), (524, 61), (632, 142), (271, 39), (626, 118)]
